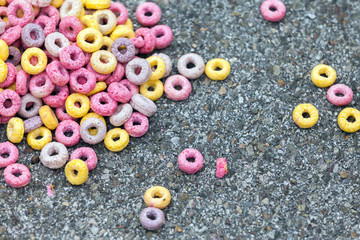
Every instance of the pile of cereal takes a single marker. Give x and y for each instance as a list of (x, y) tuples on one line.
[(65, 65)]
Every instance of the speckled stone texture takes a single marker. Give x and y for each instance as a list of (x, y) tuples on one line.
[(283, 182)]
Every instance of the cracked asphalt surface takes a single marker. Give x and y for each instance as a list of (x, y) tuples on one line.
[(283, 183)]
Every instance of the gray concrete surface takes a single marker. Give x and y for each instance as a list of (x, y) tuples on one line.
[(284, 182)]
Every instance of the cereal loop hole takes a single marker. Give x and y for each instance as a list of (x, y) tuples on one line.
[(151, 215), (8, 103), (306, 115), (351, 119), (148, 14), (5, 155), (178, 87), (190, 65), (190, 159)]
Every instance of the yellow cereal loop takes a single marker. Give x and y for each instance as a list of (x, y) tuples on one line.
[(107, 42), (4, 50), (99, 87), (217, 69), (3, 71), (12, 86), (3, 2), (38, 138), (344, 120), (82, 13), (158, 67), (89, 40), (122, 31), (15, 130), (129, 24), (103, 62), (48, 117), (116, 139), (93, 132), (323, 76), (57, 3), (77, 105), (97, 4), (152, 90), (158, 197), (76, 172), (305, 115), (37, 53), (89, 21)]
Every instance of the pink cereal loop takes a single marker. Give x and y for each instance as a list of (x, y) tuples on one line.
[(27, 9), (11, 150), (187, 166), (46, 23), (221, 167), (11, 35), (51, 12), (22, 82), (118, 8), (164, 36), (174, 94), (12, 179), (339, 95), (85, 153), (148, 14), (11, 76), (273, 10)]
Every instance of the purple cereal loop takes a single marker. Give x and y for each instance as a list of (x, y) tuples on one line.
[(40, 85), (55, 43), (188, 166), (86, 153), (47, 24), (11, 150), (92, 123), (57, 73), (11, 34), (33, 123), (133, 66), (58, 97), (11, 76), (119, 92), (148, 14), (149, 39), (17, 175), (82, 81), (117, 74), (102, 104), (99, 76), (152, 218), (30, 106), (140, 128), (32, 35), (70, 26), (22, 82), (174, 94), (124, 55), (194, 72), (68, 126), (50, 12), (121, 10), (72, 57), (62, 115), (14, 98), (143, 105), (14, 56), (163, 35), (121, 115), (51, 160), (28, 13)]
